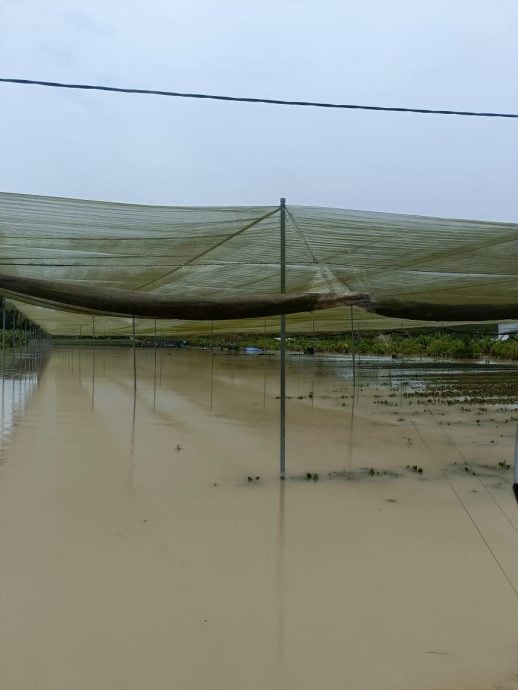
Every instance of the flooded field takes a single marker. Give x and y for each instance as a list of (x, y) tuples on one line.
[(146, 541)]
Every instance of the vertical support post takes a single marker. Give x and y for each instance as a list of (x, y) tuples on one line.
[(93, 360), (515, 485), (211, 362), (352, 347), (283, 344), (3, 337), (3, 350), (161, 357), (265, 347), (154, 369), (14, 336), (25, 349)]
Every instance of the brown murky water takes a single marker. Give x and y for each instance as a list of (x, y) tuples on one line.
[(135, 553)]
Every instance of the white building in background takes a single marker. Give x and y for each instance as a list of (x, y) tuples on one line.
[(506, 329)]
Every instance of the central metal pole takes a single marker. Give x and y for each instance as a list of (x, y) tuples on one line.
[(3, 336), (3, 351), (515, 485), (352, 348), (134, 357), (283, 346), (154, 369), (93, 360)]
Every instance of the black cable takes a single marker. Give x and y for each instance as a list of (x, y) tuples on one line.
[(242, 99)]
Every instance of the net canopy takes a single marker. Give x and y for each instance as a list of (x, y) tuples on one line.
[(235, 251)]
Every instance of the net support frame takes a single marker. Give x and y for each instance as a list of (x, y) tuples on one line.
[(283, 342)]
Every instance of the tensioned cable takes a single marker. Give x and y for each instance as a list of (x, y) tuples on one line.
[(466, 510), (442, 254), (226, 239), (466, 464), (328, 276), (243, 99)]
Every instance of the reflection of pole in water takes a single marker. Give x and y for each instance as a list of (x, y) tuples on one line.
[(351, 433), (134, 410), (131, 474), (281, 547)]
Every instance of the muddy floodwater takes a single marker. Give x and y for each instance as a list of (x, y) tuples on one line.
[(146, 542)]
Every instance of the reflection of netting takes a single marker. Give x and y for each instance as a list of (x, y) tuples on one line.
[(233, 252)]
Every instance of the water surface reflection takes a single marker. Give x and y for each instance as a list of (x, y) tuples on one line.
[(133, 545)]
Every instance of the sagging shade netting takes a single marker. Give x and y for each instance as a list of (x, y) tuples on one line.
[(222, 252)]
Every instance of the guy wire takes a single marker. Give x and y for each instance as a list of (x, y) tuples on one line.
[(466, 510)]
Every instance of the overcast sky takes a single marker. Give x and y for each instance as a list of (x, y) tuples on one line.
[(459, 54)]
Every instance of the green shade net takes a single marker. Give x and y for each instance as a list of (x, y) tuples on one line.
[(234, 251)]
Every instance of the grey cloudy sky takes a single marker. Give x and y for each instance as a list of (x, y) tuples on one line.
[(460, 54)]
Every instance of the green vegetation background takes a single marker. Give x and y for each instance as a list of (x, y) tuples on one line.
[(437, 344)]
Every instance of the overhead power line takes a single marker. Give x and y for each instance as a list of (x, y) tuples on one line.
[(243, 99)]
